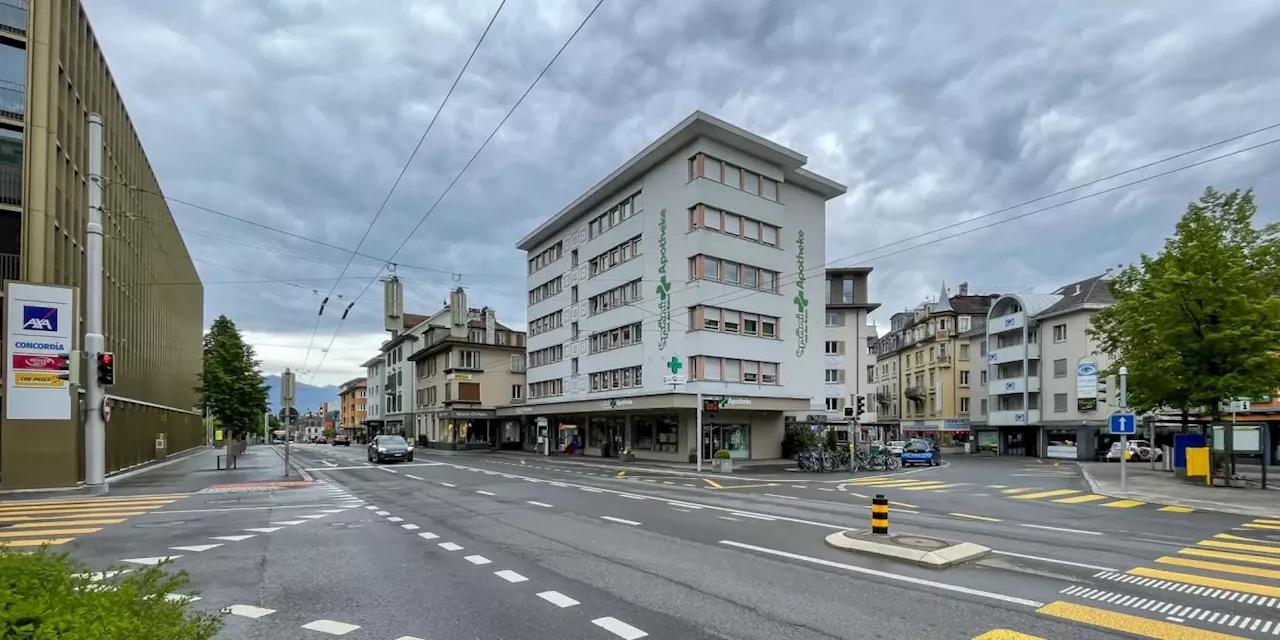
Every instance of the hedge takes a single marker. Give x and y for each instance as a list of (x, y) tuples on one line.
[(46, 596)]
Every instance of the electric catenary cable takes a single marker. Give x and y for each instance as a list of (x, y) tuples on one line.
[(403, 170), (463, 171)]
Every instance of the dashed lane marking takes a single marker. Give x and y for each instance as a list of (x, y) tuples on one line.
[(558, 599), (539, 504), (714, 485), (510, 576), (477, 560), (449, 546), (248, 611), (973, 517), (632, 523), (331, 627), (619, 628), (1063, 529)]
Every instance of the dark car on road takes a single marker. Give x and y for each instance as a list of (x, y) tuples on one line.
[(390, 449)]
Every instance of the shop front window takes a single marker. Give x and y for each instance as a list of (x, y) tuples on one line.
[(1062, 443), (989, 442), (642, 428), (735, 438), (667, 435)]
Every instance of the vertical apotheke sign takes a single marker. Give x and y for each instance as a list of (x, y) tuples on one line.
[(664, 285), (39, 335), (802, 303)]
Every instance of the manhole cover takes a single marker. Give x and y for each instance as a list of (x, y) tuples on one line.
[(916, 542), (160, 525)]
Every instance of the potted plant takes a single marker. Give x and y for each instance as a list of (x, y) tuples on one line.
[(693, 456), (723, 463), (627, 456)]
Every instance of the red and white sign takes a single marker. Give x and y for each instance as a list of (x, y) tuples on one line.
[(28, 361), (106, 409)]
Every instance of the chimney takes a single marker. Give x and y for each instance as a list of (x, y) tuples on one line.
[(458, 307), (490, 326), (964, 289)]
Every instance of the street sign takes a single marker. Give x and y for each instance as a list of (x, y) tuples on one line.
[(1123, 424), (289, 414), (674, 379), (106, 409)]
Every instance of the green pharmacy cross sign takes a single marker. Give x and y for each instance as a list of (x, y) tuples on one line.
[(675, 366)]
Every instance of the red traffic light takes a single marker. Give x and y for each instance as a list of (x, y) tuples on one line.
[(105, 358)]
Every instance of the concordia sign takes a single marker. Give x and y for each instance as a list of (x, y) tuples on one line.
[(39, 329)]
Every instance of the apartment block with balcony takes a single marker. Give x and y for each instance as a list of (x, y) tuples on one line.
[(849, 366), (353, 396), (974, 377), (933, 373), (53, 73), (467, 366), (1043, 372), (674, 276)]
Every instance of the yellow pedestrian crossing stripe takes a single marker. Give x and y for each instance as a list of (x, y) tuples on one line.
[(1060, 496), (1005, 634), (31, 523), (1126, 623)]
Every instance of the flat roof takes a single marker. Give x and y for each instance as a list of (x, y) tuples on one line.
[(697, 125)]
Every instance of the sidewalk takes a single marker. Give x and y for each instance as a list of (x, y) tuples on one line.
[(1162, 487), (261, 463)]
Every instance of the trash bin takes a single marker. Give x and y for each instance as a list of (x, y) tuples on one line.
[(1166, 457)]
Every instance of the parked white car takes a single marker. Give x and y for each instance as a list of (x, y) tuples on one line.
[(1142, 450)]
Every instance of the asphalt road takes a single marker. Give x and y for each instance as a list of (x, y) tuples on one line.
[(681, 555), (509, 546)]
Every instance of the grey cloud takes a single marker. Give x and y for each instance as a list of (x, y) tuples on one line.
[(300, 114)]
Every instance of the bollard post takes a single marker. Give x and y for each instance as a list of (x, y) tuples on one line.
[(880, 514)]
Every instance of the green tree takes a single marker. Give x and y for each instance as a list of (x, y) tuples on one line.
[(231, 387), (1199, 323)]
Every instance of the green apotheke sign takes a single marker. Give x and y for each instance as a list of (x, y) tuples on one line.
[(801, 302), (664, 284)]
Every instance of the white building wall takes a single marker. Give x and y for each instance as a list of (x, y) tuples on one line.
[(1077, 345), (376, 391), (979, 385), (853, 331)]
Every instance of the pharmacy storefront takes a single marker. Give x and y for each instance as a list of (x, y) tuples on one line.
[(659, 427)]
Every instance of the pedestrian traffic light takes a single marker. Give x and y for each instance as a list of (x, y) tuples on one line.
[(106, 369), (1106, 386), (862, 405)]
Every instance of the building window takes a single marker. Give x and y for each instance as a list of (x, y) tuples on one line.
[(624, 378), (833, 318), (546, 256), (964, 378), (835, 376), (467, 359), (615, 216), (476, 336), (705, 166), (1060, 368), (1059, 403), (703, 267), (541, 357), (616, 338), (833, 347), (616, 297), (964, 405), (734, 370), (966, 323), (546, 388), (615, 256), (982, 349), (546, 323), (964, 351), (833, 404), (846, 291), (517, 391), (982, 405), (1059, 333), (720, 221), (982, 378), (546, 290)]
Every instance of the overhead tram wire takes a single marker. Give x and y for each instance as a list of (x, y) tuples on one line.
[(462, 172), (403, 170), (735, 295)]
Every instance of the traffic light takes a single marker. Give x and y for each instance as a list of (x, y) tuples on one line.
[(862, 405), (1106, 386), (106, 369), (63, 364)]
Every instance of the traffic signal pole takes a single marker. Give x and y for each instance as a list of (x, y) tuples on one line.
[(95, 432)]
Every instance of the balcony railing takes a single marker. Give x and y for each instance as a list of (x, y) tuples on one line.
[(916, 393), (13, 16), (10, 266), (13, 99), (11, 183)]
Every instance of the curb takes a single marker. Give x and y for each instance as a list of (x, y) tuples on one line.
[(943, 558), (1198, 505), (293, 462), (633, 467)]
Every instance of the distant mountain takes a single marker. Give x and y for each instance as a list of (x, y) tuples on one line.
[(308, 398)]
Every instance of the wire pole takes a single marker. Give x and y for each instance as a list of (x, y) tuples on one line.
[(95, 441)]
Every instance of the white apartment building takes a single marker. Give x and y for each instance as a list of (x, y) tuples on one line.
[(375, 390), (1040, 413), (674, 276), (849, 366)]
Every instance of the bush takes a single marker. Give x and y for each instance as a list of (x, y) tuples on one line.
[(723, 454), (44, 597)]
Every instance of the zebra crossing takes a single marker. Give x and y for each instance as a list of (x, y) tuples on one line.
[(1039, 494)]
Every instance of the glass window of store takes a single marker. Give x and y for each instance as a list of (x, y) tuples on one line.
[(1062, 443), (989, 441), (666, 433), (642, 430), (736, 438)]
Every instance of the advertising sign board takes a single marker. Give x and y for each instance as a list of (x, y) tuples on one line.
[(39, 332)]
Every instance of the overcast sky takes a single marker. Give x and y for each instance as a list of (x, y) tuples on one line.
[(299, 114)]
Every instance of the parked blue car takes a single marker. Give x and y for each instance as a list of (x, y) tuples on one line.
[(921, 452)]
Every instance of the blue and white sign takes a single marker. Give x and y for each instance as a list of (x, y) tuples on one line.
[(1123, 424), (40, 321)]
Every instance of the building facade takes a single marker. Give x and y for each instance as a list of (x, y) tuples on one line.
[(467, 366), (375, 378), (677, 276), (1055, 413), (52, 75), (353, 396), (849, 365), (979, 405)]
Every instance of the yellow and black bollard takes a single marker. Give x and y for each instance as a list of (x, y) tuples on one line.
[(880, 515)]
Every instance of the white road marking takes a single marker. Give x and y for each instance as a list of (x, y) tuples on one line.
[(619, 628), (314, 516), (484, 493), (232, 538), (264, 529), (538, 504), (197, 548), (98, 576), (395, 519), (592, 489), (333, 511), (681, 510), (1041, 526), (409, 527), (510, 576), (620, 520), (410, 475), (178, 597), (558, 599), (288, 522), (331, 627), (729, 519), (381, 513), (887, 575), (449, 546), (446, 484), (388, 470), (477, 560), (248, 611), (1053, 560), (427, 535), (756, 516), (370, 507)]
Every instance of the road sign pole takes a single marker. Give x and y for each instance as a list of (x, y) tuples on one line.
[(1124, 438), (698, 445), (95, 429)]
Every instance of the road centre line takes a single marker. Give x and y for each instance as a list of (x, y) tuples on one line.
[(886, 575), (1041, 526)]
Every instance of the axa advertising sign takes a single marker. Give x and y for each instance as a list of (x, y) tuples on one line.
[(39, 332)]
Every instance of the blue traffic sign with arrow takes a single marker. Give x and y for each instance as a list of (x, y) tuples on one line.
[(1123, 424)]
